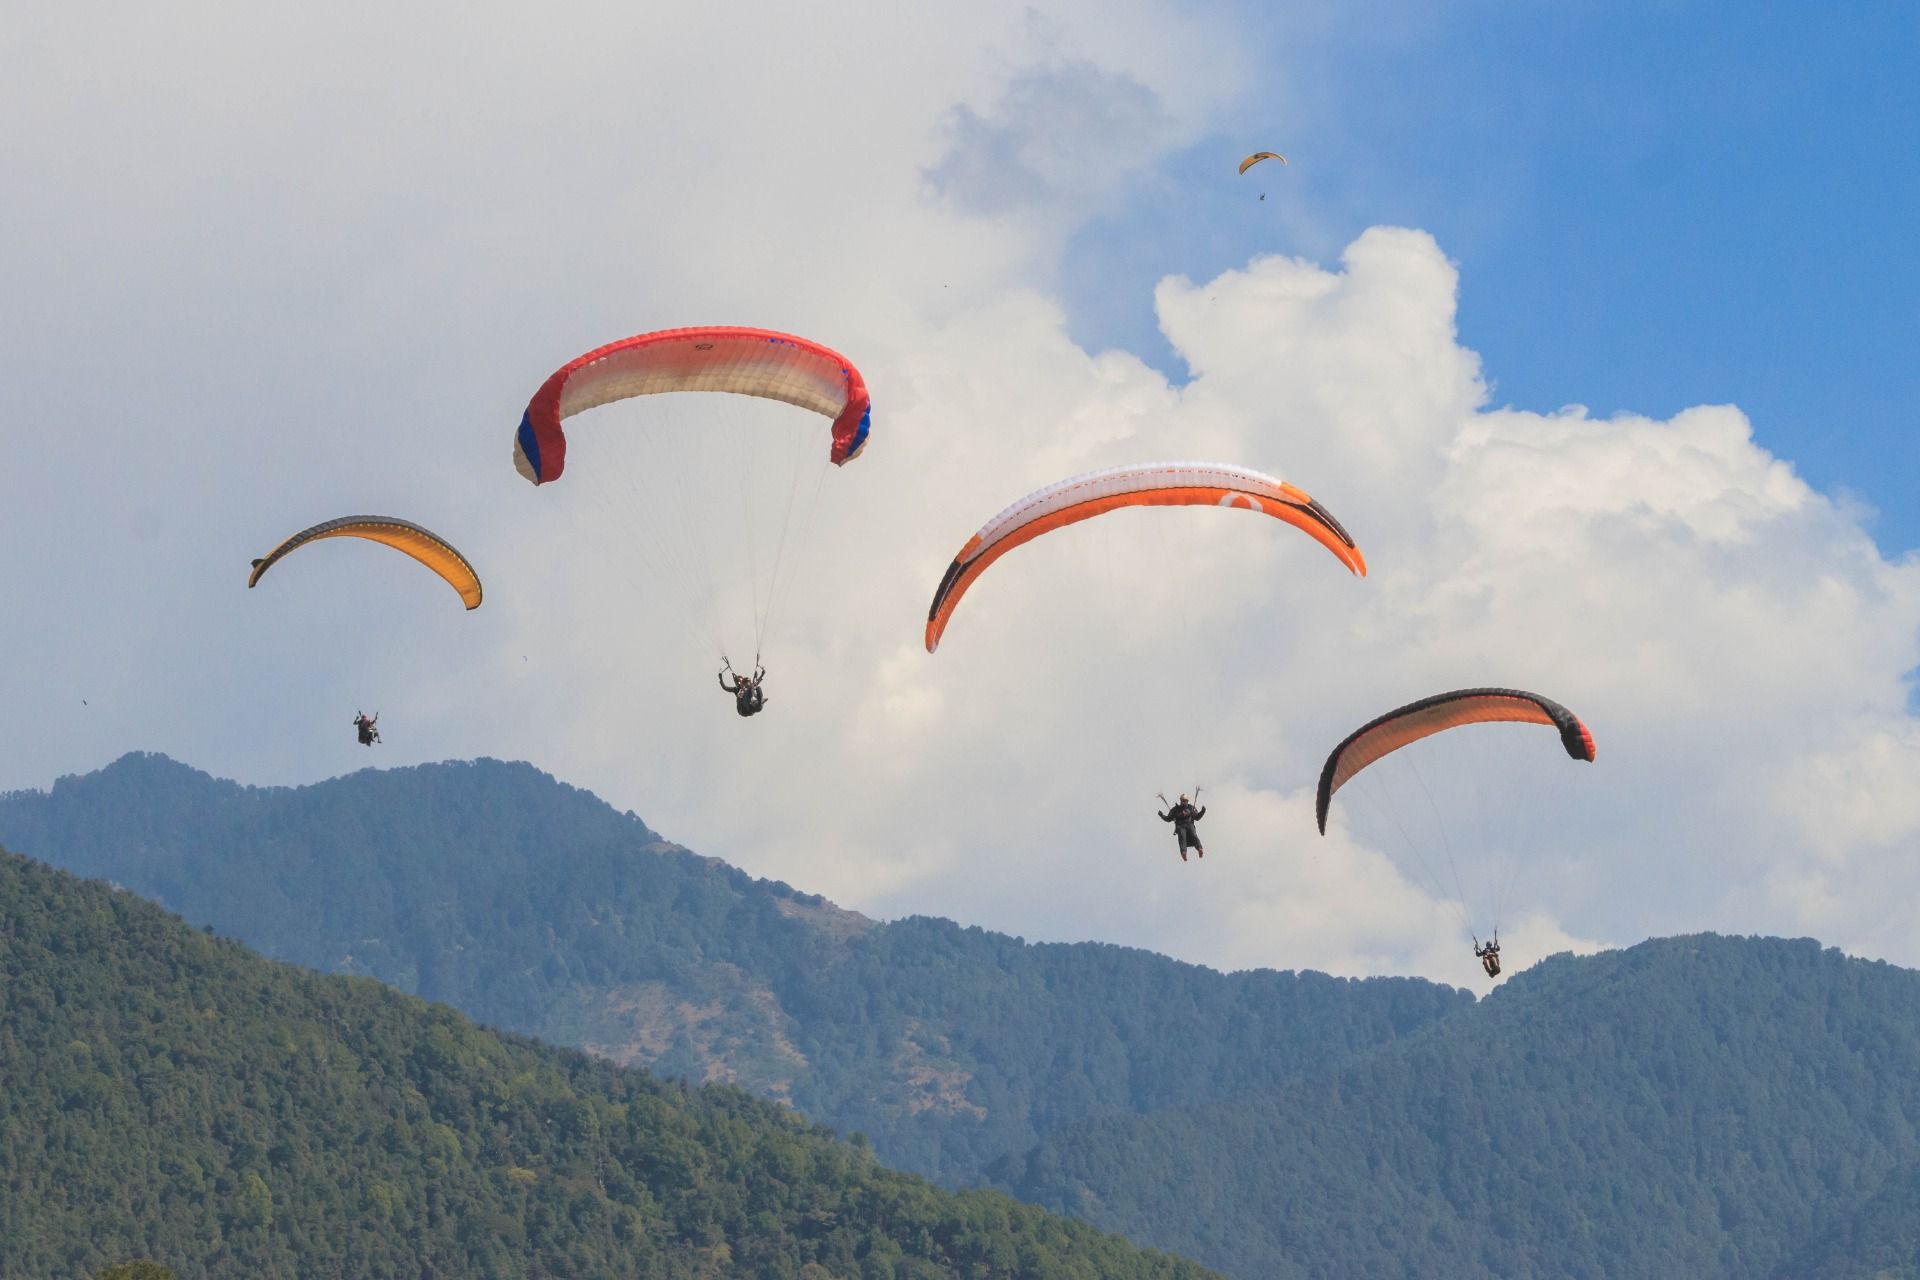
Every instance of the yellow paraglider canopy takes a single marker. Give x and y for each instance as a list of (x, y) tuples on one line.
[(1258, 156), (404, 536)]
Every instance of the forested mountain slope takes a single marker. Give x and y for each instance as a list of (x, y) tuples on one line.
[(1700, 1106), (1880, 1239), (168, 1095), (1696, 1106), (535, 907)]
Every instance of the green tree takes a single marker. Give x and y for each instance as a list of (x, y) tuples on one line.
[(174, 1094), (255, 1205)]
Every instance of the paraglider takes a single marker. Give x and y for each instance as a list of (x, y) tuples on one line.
[(717, 497), (1422, 825), (1154, 484), (1184, 817), (1409, 724), (429, 548), (1256, 158), (748, 695), (749, 362), (422, 545)]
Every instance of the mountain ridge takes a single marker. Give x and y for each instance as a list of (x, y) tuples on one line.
[(535, 906), (1701, 1105), (172, 1096)]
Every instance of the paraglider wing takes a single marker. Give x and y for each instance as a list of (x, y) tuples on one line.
[(423, 545), (751, 362), (1443, 711), (1258, 156), (1156, 484)]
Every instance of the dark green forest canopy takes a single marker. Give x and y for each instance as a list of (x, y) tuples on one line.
[(171, 1096), (1700, 1106), (533, 906)]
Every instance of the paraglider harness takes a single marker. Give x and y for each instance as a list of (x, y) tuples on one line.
[(1489, 954), (748, 696), (369, 733), (1183, 816)]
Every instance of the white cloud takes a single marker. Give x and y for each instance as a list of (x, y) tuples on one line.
[(267, 280), (1719, 624)]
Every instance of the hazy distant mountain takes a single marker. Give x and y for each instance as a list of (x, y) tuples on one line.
[(1698, 1106), (533, 906), (171, 1096)]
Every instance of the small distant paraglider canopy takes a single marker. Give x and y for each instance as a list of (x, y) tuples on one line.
[(1409, 724), (1258, 156), (1154, 484), (429, 548), (750, 362)]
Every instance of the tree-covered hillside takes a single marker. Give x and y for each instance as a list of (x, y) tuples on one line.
[(168, 1095), (533, 906), (1881, 1239), (1697, 1106)]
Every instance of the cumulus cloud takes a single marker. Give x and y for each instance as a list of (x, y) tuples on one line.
[(255, 344), (1722, 626)]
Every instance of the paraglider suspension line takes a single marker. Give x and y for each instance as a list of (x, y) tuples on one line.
[(1388, 804), (780, 554), (1446, 845)]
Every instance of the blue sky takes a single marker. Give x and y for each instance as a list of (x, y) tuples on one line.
[(1654, 205)]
